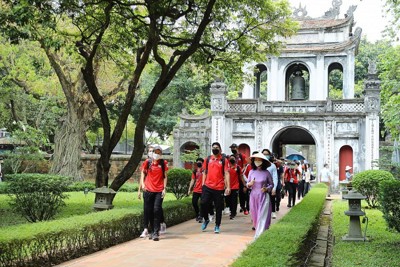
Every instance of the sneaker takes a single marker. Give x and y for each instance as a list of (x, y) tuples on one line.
[(163, 228), (241, 210), (277, 208), (226, 211), (156, 237), (211, 217), (216, 229), (231, 217), (204, 225), (289, 206), (246, 212), (273, 215), (145, 233), (199, 219)]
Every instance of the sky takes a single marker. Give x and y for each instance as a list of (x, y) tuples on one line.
[(369, 15)]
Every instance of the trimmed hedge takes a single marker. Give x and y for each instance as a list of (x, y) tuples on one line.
[(53, 242), (389, 197), (368, 182), (279, 245), (37, 197), (178, 182)]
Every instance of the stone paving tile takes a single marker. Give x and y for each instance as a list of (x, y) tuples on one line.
[(183, 245)]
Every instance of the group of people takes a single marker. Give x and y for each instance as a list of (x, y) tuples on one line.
[(219, 180)]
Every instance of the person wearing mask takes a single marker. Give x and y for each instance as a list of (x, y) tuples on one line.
[(195, 187), (236, 178), (261, 184), (274, 172), (292, 176), (216, 183), (153, 183), (241, 160)]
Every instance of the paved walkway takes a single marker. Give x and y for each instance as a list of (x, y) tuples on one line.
[(183, 245)]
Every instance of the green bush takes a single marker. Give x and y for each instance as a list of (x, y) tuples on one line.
[(129, 187), (368, 182), (37, 197), (81, 186), (389, 198), (178, 182), (52, 242)]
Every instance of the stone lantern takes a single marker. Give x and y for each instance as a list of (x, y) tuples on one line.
[(104, 197), (354, 212)]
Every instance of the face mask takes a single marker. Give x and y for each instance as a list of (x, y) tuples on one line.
[(150, 154), (258, 163), (268, 157), (156, 156), (199, 164), (234, 151), (233, 161), (215, 151)]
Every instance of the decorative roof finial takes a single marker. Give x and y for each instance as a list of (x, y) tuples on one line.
[(334, 11), (300, 12)]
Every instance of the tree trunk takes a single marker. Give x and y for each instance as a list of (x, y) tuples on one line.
[(68, 145)]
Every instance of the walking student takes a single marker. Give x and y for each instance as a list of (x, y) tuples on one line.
[(196, 184), (216, 183), (236, 178), (292, 175), (153, 183)]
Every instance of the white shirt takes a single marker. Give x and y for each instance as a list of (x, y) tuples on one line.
[(325, 175), (274, 173)]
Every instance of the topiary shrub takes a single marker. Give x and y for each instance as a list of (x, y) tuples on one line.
[(178, 182), (368, 182), (37, 197), (389, 198)]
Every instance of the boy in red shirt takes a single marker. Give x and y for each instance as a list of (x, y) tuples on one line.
[(153, 182), (215, 183)]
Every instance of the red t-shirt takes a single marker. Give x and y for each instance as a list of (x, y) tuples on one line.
[(197, 177), (154, 180), (215, 174), (240, 160), (234, 178), (292, 173), (247, 169)]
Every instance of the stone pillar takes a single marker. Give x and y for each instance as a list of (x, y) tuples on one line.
[(372, 109), (218, 106), (348, 76)]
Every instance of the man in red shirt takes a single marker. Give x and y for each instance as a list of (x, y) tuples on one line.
[(153, 182), (241, 160), (215, 183)]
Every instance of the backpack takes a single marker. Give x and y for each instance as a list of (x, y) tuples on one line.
[(161, 162)]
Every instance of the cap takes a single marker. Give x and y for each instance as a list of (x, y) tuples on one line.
[(233, 145), (348, 168), (157, 148)]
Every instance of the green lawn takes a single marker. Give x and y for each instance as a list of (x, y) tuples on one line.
[(76, 204), (383, 246)]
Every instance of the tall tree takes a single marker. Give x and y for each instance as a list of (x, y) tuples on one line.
[(167, 32)]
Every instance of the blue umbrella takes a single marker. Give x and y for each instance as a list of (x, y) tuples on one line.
[(295, 157)]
